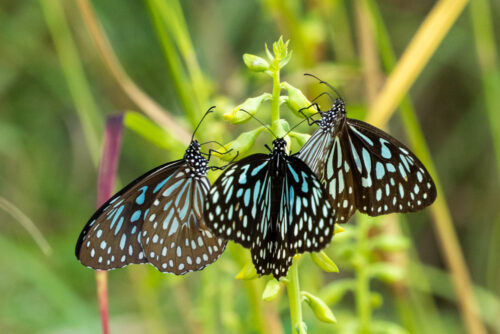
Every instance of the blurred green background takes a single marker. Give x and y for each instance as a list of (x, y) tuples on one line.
[(55, 94)]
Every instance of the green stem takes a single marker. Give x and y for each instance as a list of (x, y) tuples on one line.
[(275, 101), (362, 278), (294, 298)]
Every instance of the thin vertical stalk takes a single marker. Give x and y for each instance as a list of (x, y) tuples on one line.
[(111, 62), (75, 76), (173, 61), (105, 184), (404, 73), (275, 102), (295, 299), (422, 46)]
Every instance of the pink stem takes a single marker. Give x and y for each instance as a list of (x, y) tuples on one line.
[(105, 184)]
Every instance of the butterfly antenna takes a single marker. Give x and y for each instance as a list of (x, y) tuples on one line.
[(302, 121), (258, 120), (199, 123), (325, 83)]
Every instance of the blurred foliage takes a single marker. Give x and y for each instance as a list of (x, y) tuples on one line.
[(55, 93)]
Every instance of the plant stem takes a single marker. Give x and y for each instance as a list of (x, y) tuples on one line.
[(362, 278), (275, 101), (294, 298)]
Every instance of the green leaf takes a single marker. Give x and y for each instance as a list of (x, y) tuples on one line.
[(251, 105), (255, 63), (149, 130), (285, 60), (271, 290), (319, 307), (242, 144), (386, 272), (324, 262)]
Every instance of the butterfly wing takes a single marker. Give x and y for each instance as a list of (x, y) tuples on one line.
[(174, 236), (314, 150), (390, 178), (274, 217), (238, 206), (111, 238), (306, 215), (327, 156)]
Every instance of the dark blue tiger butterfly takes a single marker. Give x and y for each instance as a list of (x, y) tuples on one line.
[(274, 205), (157, 219), (364, 168)]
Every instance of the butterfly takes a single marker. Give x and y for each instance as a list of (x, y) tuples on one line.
[(365, 168), (157, 219), (274, 205)]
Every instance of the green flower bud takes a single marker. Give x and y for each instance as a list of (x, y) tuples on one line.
[(242, 144), (255, 63), (248, 272), (297, 100), (324, 262), (251, 105), (271, 290), (319, 307)]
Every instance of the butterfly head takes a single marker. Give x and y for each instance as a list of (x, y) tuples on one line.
[(279, 146), (195, 160), (334, 117)]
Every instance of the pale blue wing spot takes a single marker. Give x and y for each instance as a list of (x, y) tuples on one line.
[(365, 138), (402, 171), (135, 216), (142, 196), (119, 225), (390, 167), (355, 155), (257, 169), (305, 186), (246, 198), (379, 170), (367, 160), (161, 184), (171, 189), (115, 217), (179, 195), (386, 153), (294, 173), (123, 239)]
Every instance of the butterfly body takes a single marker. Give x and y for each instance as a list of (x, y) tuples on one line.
[(272, 204), (365, 168), (157, 219)]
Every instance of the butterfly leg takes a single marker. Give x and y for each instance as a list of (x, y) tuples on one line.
[(308, 118), (221, 167)]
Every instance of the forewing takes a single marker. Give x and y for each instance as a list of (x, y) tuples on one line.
[(174, 236), (337, 177), (390, 178), (238, 205), (111, 237)]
